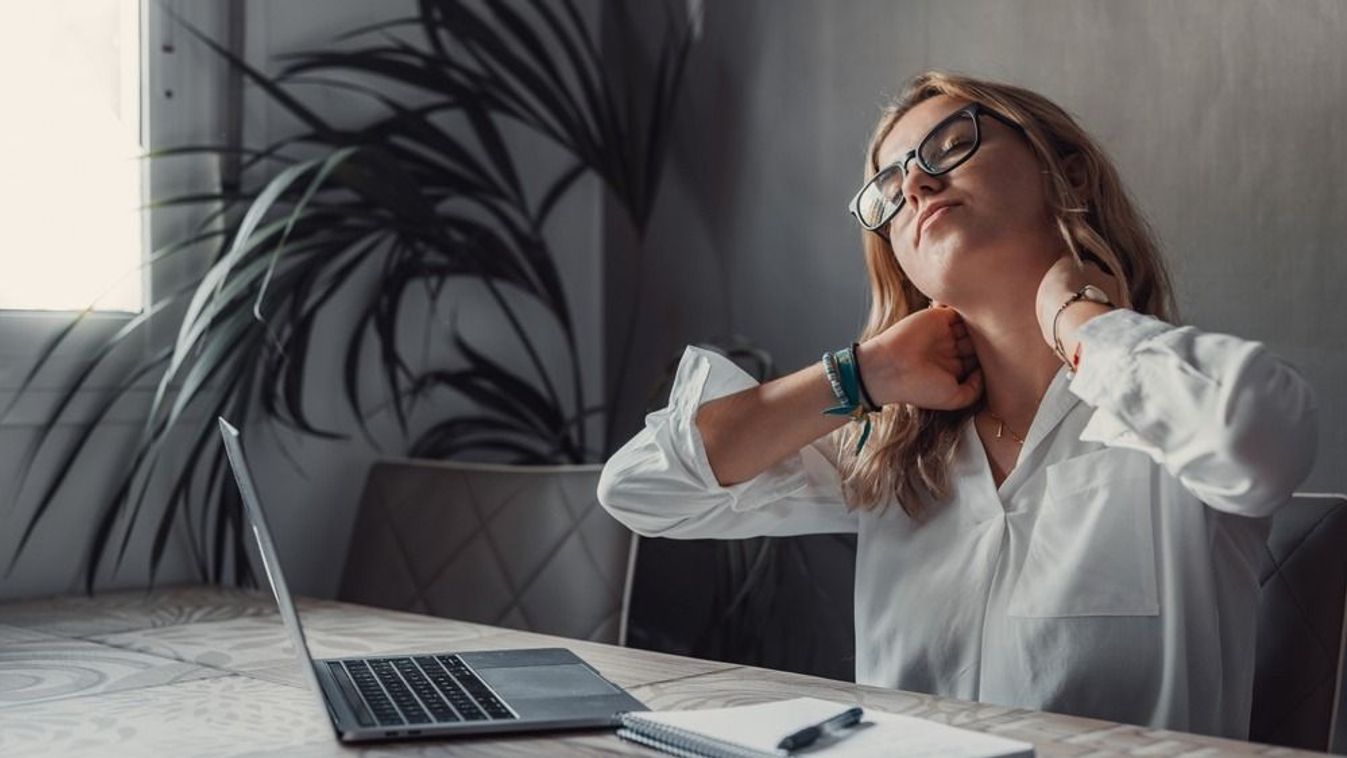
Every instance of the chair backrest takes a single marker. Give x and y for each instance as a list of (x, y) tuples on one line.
[(1297, 697), (526, 547), (780, 602)]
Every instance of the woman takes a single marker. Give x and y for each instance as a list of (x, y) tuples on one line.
[(1082, 488)]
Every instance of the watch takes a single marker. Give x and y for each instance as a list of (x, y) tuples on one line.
[(1089, 292)]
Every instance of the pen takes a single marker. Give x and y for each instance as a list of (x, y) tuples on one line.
[(810, 734)]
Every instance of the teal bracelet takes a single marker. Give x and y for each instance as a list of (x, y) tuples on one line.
[(846, 400), (865, 433), (846, 370), (844, 378), (869, 403)]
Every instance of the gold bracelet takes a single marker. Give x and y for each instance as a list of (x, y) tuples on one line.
[(1079, 295)]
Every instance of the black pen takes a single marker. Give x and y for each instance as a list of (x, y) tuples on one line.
[(810, 734)]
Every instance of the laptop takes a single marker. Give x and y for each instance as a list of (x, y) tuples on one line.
[(442, 694)]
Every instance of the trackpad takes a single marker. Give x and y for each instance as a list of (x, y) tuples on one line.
[(562, 680)]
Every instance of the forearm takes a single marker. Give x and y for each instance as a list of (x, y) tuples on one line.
[(660, 484), (748, 432), (1228, 418)]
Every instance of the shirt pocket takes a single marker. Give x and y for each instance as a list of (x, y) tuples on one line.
[(1092, 551)]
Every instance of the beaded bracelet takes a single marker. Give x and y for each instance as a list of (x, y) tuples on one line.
[(834, 380), (844, 377)]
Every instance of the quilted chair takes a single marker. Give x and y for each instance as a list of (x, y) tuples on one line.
[(525, 547), (777, 602), (1297, 698)]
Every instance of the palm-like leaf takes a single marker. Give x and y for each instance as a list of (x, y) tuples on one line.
[(405, 197)]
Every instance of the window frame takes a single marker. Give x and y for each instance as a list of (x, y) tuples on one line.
[(183, 96)]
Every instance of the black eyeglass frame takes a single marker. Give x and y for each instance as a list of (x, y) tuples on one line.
[(972, 110)]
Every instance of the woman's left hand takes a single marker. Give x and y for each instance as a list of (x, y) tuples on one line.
[(1062, 281)]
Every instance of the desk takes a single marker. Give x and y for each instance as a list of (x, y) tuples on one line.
[(197, 671)]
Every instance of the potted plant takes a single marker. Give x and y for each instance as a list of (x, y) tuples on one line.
[(429, 196)]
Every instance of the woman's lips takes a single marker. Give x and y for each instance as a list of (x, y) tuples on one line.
[(932, 218)]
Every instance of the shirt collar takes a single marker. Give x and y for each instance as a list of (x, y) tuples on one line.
[(1057, 402)]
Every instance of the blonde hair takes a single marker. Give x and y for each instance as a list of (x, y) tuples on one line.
[(910, 449)]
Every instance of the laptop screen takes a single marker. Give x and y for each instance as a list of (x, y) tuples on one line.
[(266, 548)]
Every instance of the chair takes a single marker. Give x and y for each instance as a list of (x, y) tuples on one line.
[(526, 547), (1297, 697), (778, 602)]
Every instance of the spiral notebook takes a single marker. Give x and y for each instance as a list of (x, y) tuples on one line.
[(753, 731)]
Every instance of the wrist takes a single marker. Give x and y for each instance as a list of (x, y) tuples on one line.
[(874, 372), (842, 369), (1050, 316), (1049, 302), (1072, 319)]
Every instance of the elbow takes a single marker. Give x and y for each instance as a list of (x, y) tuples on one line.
[(1291, 466), (610, 492), (1273, 460), (619, 494), (1273, 433)]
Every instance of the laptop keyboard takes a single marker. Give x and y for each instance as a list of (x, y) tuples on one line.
[(423, 689)]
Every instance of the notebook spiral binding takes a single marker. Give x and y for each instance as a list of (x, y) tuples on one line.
[(680, 742)]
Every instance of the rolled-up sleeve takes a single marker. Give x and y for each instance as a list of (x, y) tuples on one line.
[(661, 484), (1228, 418)]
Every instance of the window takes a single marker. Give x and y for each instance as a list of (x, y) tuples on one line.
[(72, 184), (67, 67)]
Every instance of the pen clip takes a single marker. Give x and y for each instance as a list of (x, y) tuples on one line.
[(807, 736)]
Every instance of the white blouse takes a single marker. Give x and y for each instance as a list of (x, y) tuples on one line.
[(1113, 574)]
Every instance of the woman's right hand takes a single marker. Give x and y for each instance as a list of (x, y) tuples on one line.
[(926, 359)]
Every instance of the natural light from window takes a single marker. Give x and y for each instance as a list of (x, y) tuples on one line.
[(70, 187)]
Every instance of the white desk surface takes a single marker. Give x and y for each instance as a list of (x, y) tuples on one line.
[(199, 671)]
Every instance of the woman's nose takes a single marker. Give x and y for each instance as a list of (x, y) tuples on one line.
[(917, 184)]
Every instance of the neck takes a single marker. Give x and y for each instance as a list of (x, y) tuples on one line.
[(1017, 365)]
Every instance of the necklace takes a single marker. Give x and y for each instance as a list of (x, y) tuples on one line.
[(1003, 428)]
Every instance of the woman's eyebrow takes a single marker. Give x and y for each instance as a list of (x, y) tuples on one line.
[(888, 160)]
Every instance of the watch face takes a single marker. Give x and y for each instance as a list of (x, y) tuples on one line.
[(1094, 294)]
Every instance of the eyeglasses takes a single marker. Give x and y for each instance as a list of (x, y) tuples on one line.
[(943, 149)]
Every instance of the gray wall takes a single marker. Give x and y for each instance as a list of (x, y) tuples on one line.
[(1224, 118)]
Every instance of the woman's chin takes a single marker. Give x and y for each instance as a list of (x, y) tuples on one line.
[(943, 244)]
